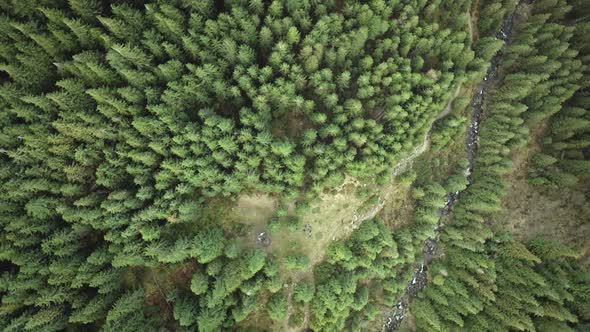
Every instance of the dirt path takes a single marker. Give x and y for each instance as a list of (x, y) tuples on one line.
[(473, 20), (470, 25), (306, 317), (449, 107), (402, 165), (289, 307)]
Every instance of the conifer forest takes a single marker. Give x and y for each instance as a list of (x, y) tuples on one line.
[(294, 165)]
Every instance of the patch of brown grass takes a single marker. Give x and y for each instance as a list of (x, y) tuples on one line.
[(530, 211)]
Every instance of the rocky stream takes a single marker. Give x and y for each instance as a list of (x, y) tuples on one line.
[(393, 317)]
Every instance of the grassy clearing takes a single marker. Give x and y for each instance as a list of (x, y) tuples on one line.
[(397, 212), (332, 217)]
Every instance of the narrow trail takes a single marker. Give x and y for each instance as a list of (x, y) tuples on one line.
[(289, 307), (394, 317), (470, 23), (449, 107), (403, 164)]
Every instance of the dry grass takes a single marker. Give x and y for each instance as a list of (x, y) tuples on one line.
[(397, 213), (331, 220), (529, 211)]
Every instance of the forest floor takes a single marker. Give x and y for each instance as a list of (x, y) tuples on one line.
[(331, 218), (255, 209), (531, 211)]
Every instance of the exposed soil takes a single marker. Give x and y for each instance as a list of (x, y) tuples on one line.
[(532, 211)]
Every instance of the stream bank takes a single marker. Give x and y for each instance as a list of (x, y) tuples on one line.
[(393, 317)]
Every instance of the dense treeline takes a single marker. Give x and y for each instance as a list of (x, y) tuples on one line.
[(246, 96), (370, 270), (447, 130), (564, 158), (78, 290), (491, 14), (491, 282), (534, 287), (341, 297), (121, 117)]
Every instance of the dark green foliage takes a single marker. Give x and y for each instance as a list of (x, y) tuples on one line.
[(274, 225), (229, 290), (487, 47), (565, 159), (529, 289), (458, 181), (128, 313), (448, 129), (199, 283), (120, 120), (487, 280), (491, 15), (429, 199), (185, 309), (296, 262), (303, 291), (293, 224), (369, 254)]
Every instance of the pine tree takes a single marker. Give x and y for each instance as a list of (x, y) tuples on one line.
[(304, 292), (277, 307)]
